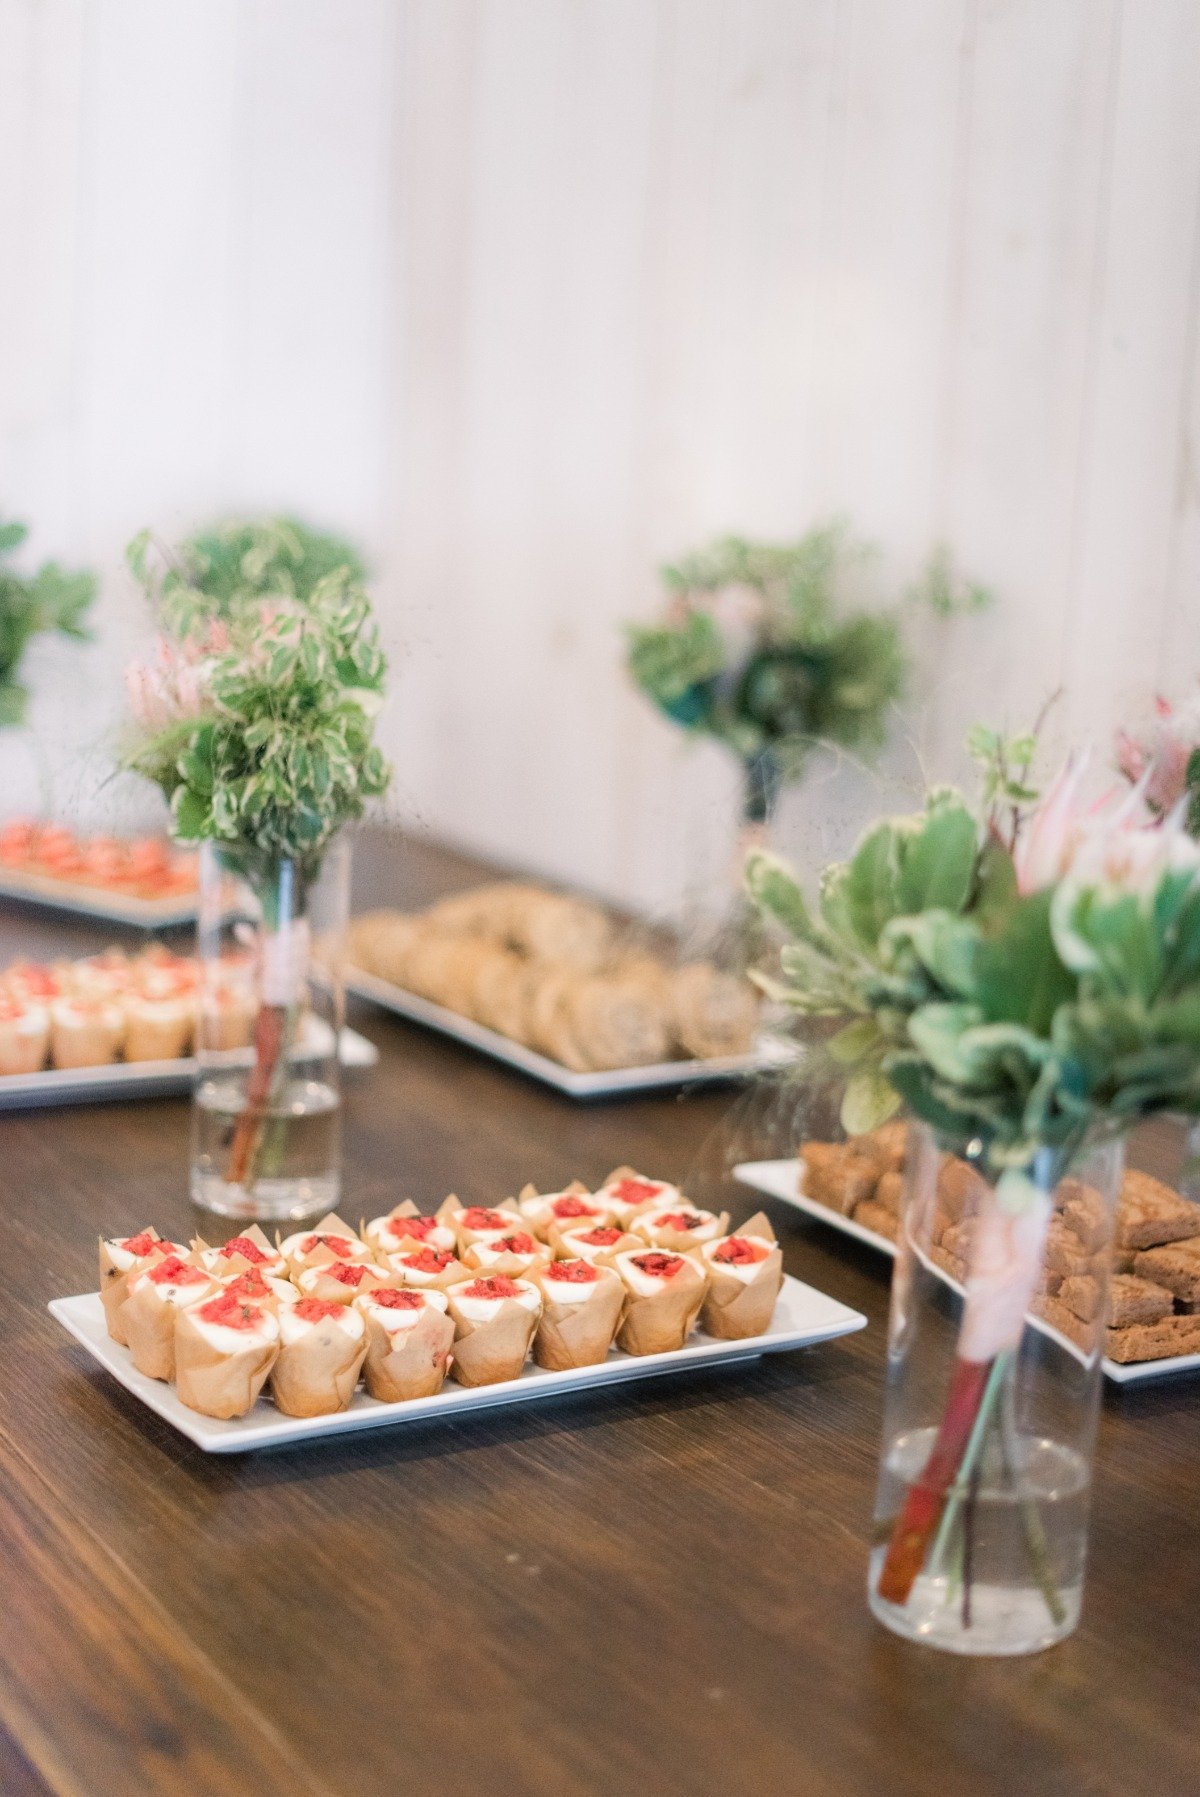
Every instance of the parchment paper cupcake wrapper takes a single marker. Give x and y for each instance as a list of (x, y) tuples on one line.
[(333, 1291), (217, 1384), (661, 1323), (412, 1363), (735, 1308), (113, 1283), (486, 1353), (571, 1335), (149, 1323), (317, 1374)]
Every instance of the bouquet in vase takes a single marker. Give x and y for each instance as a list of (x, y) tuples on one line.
[(255, 716)]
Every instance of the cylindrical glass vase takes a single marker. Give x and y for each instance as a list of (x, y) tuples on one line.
[(267, 1110), (998, 1315)]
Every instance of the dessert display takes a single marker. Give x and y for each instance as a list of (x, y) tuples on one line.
[(553, 973), (146, 868), (119, 1007), (1153, 1259), (305, 1318)]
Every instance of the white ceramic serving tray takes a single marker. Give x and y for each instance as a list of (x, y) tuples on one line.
[(781, 1179), (802, 1317), (96, 901), (609, 1084), (119, 1080)]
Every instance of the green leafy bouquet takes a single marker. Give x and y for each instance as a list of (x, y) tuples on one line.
[(760, 649), (1020, 995), (52, 600), (255, 716)]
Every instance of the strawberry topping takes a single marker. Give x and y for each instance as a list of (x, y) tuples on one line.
[(317, 1310), (659, 1266), (739, 1251), (517, 1244), (173, 1271), (498, 1286), (679, 1219), (635, 1191), (394, 1300), (600, 1238), (419, 1228), (230, 1312), (251, 1287), (241, 1244), (343, 1246), (144, 1244), (429, 1260), (573, 1206), (477, 1217), (573, 1272), (346, 1275)]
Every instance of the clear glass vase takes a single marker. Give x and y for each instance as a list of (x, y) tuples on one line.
[(992, 1396), (267, 1109)]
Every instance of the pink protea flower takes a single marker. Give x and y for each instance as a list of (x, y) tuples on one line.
[(173, 685), (1120, 841), (1161, 754)]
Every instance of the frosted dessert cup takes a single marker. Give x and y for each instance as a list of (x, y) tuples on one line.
[(120, 1259), (322, 1348), (663, 1295), (679, 1229), (154, 1300), (745, 1273), (409, 1340), (494, 1320), (224, 1350), (581, 1308)]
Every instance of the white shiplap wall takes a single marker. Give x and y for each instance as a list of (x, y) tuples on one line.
[(532, 293)]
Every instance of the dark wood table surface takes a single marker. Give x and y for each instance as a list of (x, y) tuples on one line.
[(655, 1589)]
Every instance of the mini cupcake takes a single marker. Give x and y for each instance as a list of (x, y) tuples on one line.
[(86, 1031), (626, 1193), (514, 1254), (581, 1307), (745, 1273), (427, 1269), (254, 1287), (409, 1337), (224, 1350), (120, 1259), (494, 1320), (664, 1293), (341, 1281), (158, 1029), (405, 1228), (598, 1245), (155, 1297), (24, 1034), (476, 1222), (330, 1239), (240, 1254), (323, 1344), (571, 1208), (681, 1229)]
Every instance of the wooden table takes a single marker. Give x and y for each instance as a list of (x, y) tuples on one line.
[(653, 1590)]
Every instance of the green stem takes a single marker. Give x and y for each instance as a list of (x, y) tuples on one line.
[(1031, 1521)]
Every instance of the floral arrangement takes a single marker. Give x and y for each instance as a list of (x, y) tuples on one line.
[(1163, 761), (270, 557), (761, 648), (255, 716), (1023, 984), (51, 600)]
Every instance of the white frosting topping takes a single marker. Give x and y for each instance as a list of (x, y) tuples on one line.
[(395, 1318), (70, 1013), (540, 1208), (665, 1196), (743, 1270), (639, 1281), (180, 1295), (578, 1249), (294, 1329), (571, 1291), (471, 1233), (235, 1341), (486, 1253), (279, 1288), (30, 1020), (416, 1276), (653, 1224), (122, 1259), (215, 1260), (386, 1233), (482, 1310), (293, 1248), (310, 1278)]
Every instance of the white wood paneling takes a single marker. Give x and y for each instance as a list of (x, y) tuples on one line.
[(530, 294)]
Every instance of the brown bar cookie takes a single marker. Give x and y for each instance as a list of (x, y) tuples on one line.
[(875, 1216), (1064, 1252), (960, 1188), (1081, 1295), (1154, 1341), (949, 1263), (884, 1146), (1120, 1260), (1175, 1265), (1054, 1312), (890, 1191), (1150, 1213), (835, 1176), (1085, 1212)]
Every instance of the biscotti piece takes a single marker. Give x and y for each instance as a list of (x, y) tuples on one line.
[(1055, 1312), (1134, 1300), (960, 1189), (874, 1216), (1085, 1213), (1081, 1295), (1150, 1213), (884, 1146), (1176, 1265), (1064, 1252), (890, 1191), (835, 1176), (1155, 1341)]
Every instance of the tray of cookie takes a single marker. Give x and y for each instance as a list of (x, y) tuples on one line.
[(551, 984), (257, 1344), (1154, 1260)]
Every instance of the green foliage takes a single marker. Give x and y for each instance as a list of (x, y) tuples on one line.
[(280, 753), (243, 559), (796, 667), (31, 605), (945, 592), (1020, 1020), (1005, 763)]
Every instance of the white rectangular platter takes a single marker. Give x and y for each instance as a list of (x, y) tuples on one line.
[(781, 1179), (802, 1318), (94, 901), (609, 1084), (125, 1080)]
